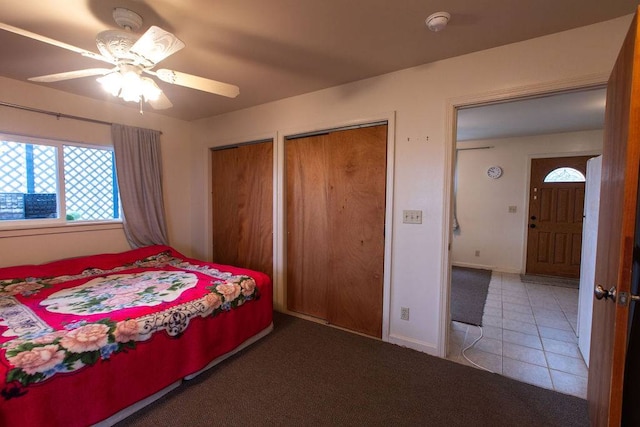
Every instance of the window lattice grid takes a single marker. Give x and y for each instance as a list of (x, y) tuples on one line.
[(44, 169), (13, 167), (89, 183)]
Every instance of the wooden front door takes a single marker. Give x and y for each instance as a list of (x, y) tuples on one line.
[(554, 239), (616, 234), (336, 185)]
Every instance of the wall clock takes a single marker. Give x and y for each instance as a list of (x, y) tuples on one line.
[(494, 172)]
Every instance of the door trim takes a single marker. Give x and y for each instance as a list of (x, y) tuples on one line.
[(590, 81)]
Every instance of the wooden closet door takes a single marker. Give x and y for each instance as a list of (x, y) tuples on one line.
[(255, 207), (224, 206), (242, 203), (335, 227), (356, 186), (307, 225)]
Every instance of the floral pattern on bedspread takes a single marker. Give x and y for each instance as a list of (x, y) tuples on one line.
[(118, 291), (38, 352), (26, 287)]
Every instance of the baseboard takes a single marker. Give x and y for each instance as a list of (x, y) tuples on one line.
[(487, 267), (414, 344), (507, 270), (472, 265)]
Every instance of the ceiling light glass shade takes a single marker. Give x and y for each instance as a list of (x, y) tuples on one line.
[(111, 82), (131, 86), (150, 89), (128, 85)]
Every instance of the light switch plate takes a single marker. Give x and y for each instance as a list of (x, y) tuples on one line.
[(412, 217)]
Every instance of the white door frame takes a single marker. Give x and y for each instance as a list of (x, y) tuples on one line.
[(452, 106)]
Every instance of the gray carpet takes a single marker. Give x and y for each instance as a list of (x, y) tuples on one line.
[(307, 374), (469, 288), (550, 280)]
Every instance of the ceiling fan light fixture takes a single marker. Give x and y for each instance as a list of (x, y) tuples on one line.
[(129, 85), (132, 56)]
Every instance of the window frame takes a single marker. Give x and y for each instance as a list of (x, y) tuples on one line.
[(583, 178), (7, 227)]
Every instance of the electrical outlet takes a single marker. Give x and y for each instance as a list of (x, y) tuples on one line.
[(412, 217), (404, 313), (477, 253), (513, 209)]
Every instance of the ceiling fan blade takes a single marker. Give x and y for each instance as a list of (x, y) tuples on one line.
[(49, 78), (53, 42), (199, 83), (162, 103), (156, 44)]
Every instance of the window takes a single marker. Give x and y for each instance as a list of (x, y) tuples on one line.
[(56, 181), (565, 175)]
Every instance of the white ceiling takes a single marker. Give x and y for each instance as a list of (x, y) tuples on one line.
[(563, 112), (280, 48)]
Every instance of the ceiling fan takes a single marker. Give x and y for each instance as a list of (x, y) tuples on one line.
[(132, 57)]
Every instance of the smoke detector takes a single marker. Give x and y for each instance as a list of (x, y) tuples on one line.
[(437, 21)]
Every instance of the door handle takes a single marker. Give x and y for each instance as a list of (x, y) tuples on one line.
[(533, 218), (532, 226), (601, 293)]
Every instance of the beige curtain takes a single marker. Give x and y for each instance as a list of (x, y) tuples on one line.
[(139, 170)]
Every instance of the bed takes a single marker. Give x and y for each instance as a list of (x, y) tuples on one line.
[(88, 340)]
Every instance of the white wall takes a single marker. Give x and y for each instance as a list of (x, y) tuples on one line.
[(31, 247), (483, 203), (421, 98)]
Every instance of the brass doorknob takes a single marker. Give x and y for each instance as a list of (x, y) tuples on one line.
[(601, 293)]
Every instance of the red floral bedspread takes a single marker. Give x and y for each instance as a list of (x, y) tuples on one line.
[(82, 338)]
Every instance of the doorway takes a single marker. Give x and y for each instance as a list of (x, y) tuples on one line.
[(529, 330)]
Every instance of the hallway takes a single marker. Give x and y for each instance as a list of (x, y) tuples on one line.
[(528, 334)]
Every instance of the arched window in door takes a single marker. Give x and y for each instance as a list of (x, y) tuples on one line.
[(565, 174)]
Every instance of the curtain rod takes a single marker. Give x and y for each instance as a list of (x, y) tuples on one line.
[(58, 115)]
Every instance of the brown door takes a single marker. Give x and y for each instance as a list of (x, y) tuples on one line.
[(307, 171), (616, 230), (335, 227), (242, 206), (554, 239)]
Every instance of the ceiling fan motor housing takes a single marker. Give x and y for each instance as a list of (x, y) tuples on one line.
[(127, 19), (116, 44)]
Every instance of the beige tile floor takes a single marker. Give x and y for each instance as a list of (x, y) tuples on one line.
[(529, 334)]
